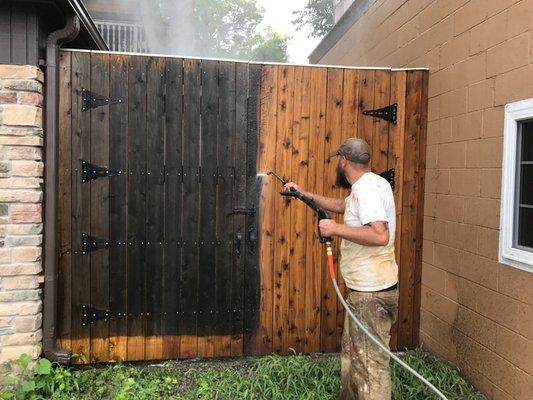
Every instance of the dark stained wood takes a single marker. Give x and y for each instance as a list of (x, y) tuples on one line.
[(226, 251), (423, 81), (118, 129), (81, 203), (395, 160), (136, 187), (155, 205), (409, 204), (173, 207), (251, 279), (207, 280), (239, 199), (32, 36), (18, 35), (191, 197), (64, 187), (99, 281), (5, 33)]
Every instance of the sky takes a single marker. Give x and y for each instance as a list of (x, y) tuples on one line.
[(278, 14)]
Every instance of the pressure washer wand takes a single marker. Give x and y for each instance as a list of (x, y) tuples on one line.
[(323, 214)]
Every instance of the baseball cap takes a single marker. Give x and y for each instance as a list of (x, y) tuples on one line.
[(354, 149)]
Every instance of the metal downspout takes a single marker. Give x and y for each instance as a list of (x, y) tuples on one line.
[(56, 38)]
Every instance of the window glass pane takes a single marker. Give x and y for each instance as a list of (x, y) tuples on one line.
[(525, 224), (527, 140), (526, 184)]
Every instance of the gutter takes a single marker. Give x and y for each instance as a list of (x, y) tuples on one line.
[(54, 40), (87, 21)]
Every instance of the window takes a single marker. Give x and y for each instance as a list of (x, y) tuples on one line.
[(516, 226)]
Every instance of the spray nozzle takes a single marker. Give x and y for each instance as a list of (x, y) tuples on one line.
[(282, 180)]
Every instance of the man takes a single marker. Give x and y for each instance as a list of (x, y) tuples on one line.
[(368, 267)]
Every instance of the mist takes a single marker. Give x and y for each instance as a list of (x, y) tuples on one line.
[(169, 29), (248, 30)]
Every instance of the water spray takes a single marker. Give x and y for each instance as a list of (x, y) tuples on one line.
[(323, 214)]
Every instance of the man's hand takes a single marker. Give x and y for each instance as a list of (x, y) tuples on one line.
[(287, 187), (328, 227)]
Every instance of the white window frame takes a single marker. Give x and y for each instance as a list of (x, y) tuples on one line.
[(510, 254)]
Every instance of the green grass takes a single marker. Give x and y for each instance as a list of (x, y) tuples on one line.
[(271, 377)]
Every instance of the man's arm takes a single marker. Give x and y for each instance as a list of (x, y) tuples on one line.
[(372, 234), (328, 203)]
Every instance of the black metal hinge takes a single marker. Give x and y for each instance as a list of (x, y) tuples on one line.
[(388, 175), (90, 315), (91, 172), (387, 113), (92, 243), (93, 100)]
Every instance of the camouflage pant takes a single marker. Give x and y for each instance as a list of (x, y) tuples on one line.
[(365, 373)]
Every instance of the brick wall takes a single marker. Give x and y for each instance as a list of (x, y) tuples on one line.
[(476, 313), (21, 170)]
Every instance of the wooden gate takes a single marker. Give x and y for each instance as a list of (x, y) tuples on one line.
[(170, 246)]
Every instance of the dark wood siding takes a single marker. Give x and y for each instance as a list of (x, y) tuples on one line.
[(19, 34)]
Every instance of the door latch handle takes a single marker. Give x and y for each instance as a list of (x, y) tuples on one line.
[(238, 243), (252, 236)]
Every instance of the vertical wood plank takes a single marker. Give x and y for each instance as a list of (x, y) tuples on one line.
[(282, 209), (395, 160), (350, 118), (64, 187), (251, 278), (5, 33), (380, 135), (207, 265), (226, 252), (118, 129), (136, 187), (155, 200), (262, 340), (299, 212), (421, 174), (173, 207), (100, 208), (191, 197), (32, 36), (409, 213), (315, 251), (81, 206), (365, 123), (239, 199), (332, 141), (18, 35)]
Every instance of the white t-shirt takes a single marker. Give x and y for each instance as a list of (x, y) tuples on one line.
[(369, 268)]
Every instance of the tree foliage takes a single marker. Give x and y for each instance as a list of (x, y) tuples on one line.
[(227, 29), (317, 15)]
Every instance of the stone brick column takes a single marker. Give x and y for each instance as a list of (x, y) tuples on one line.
[(21, 179)]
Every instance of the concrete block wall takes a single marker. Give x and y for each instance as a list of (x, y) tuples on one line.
[(476, 312), (21, 173)]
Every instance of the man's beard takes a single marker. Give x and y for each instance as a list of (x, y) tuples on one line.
[(340, 180)]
